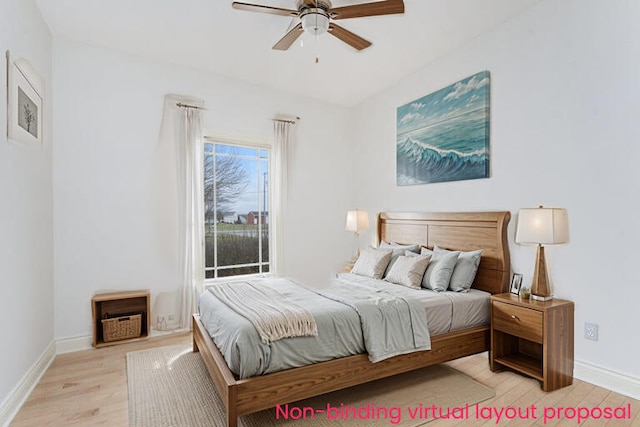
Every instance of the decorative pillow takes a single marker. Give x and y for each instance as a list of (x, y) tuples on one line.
[(387, 245), (398, 250), (439, 270), (372, 263), (465, 271), (408, 270)]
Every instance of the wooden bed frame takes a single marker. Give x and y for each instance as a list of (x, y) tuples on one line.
[(460, 231)]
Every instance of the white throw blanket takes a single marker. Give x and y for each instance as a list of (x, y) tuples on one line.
[(273, 316)]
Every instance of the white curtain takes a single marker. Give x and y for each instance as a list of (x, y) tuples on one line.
[(284, 138), (182, 125)]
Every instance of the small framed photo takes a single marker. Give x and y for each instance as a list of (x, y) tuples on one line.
[(25, 99), (516, 283)]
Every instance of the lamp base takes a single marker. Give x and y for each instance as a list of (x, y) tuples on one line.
[(540, 289)]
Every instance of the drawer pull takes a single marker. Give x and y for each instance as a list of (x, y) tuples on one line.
[(513, 316)]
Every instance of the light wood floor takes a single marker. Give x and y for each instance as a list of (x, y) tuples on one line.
[(89, 388)]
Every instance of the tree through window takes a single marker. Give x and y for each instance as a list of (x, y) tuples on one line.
[(236, 209)]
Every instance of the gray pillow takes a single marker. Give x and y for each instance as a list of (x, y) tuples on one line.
[(440, 269), (465, 271), (398, 250), (372, 263), (408, 270)]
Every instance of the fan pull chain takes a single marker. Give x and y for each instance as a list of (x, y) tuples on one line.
[(317, 50)]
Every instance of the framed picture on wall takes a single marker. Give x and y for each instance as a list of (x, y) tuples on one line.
[(444, 136), (25, 99), (516, 283)]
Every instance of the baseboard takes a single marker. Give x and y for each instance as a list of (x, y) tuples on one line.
[(71, 344), (14, 401), (614, 381), (156, 333), (84, 342)]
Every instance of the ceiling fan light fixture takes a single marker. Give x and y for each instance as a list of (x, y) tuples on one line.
[(315, 21), (317, 16)]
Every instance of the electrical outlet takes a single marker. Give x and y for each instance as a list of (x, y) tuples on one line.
[(591, 331), (162, 323), (171, 318)]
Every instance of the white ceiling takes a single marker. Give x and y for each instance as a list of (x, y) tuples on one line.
[(211, 35)]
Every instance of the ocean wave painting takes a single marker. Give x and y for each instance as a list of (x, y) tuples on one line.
[(444, 136)]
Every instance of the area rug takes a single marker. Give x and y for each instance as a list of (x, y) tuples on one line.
[(170, 387)]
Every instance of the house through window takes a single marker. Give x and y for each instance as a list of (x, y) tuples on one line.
[(236, 209)]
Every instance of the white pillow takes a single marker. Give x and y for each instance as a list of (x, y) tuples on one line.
[(465, 271), (439, 270), (408, 270), (398, 250), (394, 246), (372, 263)]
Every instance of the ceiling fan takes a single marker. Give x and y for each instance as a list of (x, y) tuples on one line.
[(317, 16)]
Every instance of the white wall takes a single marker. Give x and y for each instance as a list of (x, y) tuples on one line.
[(26, 232), (114, 213), (564, 132)]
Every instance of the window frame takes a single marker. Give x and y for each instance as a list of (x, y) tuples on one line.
[(242, 142)]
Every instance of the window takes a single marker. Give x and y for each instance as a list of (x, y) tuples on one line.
[(236, 209)]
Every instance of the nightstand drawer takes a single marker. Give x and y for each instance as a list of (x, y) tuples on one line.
[(518, 321)]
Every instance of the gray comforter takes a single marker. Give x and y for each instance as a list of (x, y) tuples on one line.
[(339, 333), (340, 328), (392, 324)]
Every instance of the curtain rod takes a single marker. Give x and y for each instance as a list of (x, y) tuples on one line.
[(293, 119), (181, 105)]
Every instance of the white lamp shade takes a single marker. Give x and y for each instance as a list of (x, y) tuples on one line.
[(546, 226), (357, 221)]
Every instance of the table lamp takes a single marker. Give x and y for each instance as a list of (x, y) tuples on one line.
[(357, 221), (542, 226)]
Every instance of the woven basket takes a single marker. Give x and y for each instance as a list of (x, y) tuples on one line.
[(122, 328)]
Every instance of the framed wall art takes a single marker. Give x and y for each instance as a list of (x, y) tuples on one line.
[(444, 136), (25, 101)]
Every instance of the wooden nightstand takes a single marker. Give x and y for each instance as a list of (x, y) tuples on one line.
[(534, 338), (114, 304)]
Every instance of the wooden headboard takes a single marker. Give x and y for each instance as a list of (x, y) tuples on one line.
[(464, 231)]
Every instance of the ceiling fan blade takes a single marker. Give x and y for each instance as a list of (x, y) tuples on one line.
[(264, 9), (348, 37), (387, 7), (292, 35)]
